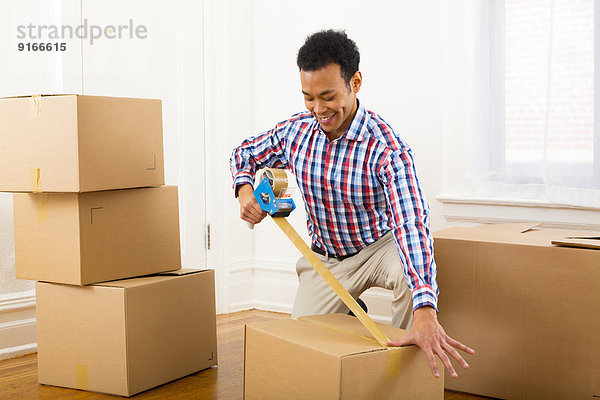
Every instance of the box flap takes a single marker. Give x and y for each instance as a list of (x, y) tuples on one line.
[(43, 95), (515, 233), (590, 242), (334, 334), (149, 279), (486, 231), (183, 271), (515, 227)]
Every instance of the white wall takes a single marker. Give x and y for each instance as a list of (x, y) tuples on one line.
[(25, 73), (229, 114), (21, 74)]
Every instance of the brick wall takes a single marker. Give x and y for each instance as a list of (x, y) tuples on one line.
[(571, 118)]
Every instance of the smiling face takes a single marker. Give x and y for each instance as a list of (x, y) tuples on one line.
[(329, 98)]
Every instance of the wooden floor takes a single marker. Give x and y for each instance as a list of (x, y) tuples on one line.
[(18, 376)]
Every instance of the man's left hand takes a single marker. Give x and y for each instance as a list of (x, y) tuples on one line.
[(427, 333)]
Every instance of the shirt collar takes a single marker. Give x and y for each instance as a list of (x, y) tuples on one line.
[(358, 126)]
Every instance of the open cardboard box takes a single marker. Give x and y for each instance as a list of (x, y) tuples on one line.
[(83, 238), (530, 309), (126, 336), (75, 143), (332, 357)]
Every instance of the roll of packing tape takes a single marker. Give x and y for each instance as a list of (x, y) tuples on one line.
[(277, 179)]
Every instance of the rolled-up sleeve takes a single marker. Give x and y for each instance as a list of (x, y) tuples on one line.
[(256, 152)]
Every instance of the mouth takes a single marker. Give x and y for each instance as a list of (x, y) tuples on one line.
[(326, 118)]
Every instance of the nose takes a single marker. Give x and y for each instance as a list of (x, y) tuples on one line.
[(319, 107)]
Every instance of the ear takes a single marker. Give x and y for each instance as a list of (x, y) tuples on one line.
[(356, 81)]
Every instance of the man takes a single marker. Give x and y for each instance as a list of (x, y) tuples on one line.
[(366, 214)]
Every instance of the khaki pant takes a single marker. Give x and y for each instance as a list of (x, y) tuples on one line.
[(376, 265)]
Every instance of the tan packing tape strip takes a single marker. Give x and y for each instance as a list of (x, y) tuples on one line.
[(394, 354), (394, 362), (335, 328), (331, 281), (36, 181), (82, 377), (40, 198), (36, 101), (42, 206)]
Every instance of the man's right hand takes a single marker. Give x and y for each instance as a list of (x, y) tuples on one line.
[(250, 211)]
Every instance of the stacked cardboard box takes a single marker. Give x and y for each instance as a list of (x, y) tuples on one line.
[(91, 208)]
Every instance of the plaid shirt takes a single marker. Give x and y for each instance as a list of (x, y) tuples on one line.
[(355, 189)]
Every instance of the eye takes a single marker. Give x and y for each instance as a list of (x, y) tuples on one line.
[(330, 98), (308, 99)]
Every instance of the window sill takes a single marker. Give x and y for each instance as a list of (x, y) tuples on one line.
[(490, 210)]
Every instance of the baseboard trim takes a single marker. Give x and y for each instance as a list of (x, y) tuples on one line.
[(262, 306), (17, 301), (17, 351), (17, 324)]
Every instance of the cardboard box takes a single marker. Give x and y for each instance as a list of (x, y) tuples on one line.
[(127, 336), (528, 308), (332, 357), (80, 143), (83, 238)]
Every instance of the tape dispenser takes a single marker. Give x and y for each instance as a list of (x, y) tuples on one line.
[(273, 194)]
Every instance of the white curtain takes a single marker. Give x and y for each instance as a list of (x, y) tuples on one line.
[(536, 102)]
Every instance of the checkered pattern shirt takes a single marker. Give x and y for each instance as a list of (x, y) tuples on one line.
[(355, 189)]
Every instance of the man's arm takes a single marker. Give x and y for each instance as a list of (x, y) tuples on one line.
[(410, 213), (264, 150)]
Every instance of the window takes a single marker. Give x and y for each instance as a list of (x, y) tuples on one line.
[(538, 101)]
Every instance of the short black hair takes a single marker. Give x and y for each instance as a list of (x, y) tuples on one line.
[(329, 47)]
